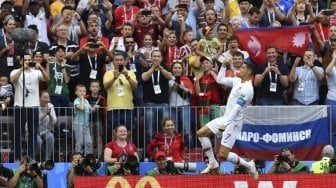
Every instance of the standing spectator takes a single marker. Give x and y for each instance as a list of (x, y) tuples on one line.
[(253, 19), (270, 12), (168, 141), (119, 147), (208, 92), (117, 43), (69, 48), (81, 128), (123, 14), (232, 46), (59, 78), (7, 46), (26, 101), (144, 27), (91, 64), (217, 5), (170, 48), (35, 16), (286, 163), (300, 12), (73, 22), (97, 116), (47, 120), (181, 91), (211, 22), (155, 93), (186, 51), (306, 79), (119, 84), (271, 80), (222, 35)]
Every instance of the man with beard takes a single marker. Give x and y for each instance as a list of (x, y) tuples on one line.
[(93, 28), (210, 19)]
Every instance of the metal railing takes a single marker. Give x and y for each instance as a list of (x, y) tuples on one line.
[(142, 124)]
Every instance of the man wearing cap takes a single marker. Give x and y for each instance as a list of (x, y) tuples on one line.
[(208, 92), (323, 166), (161, 165), (232, 121)]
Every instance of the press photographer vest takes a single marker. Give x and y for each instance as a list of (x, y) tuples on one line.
[(322, 166)]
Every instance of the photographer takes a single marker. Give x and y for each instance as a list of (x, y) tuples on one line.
[(287, 163), (126, 165), (161, 165), (5, 175), (82, 167), (327, 163), (28, 175)]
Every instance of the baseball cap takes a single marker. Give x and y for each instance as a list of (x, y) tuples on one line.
[(159, 154), (205, 58), (328, 151)]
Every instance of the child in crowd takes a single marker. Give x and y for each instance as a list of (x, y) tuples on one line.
[(97, 102), (6, 92), (82, 110), (186, 51)]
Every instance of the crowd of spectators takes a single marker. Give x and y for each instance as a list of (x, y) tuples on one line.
[(94, 55)]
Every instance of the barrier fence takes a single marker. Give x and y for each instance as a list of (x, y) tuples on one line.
[(144, 122)]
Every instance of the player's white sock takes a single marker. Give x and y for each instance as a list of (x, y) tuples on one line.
[(207, 147), (234, 158)]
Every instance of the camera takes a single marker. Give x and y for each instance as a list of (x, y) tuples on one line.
[(180, 167), (93, 43), (327, 12), (128, 163), (88, 165), (38, 167), (281, 158)]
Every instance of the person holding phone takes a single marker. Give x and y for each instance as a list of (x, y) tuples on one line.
[(119, 84), (91, 63)]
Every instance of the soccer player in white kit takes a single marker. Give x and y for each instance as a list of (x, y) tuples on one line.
[(232, 121)]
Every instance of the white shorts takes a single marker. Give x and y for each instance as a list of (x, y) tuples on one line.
[(231, 132)]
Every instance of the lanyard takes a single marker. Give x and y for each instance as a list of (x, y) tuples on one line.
[(271, 16), (158, 78), (34, 48), (56, 75), (95, 65), (270, 75), (125, 15), (167, 148)]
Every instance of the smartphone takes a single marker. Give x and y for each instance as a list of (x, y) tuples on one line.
[(178, 79), (120, 68), (94, 45), (31, 64), (146, 12), (327, 12)]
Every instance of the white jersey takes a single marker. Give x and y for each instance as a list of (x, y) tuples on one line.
[(241, 94)]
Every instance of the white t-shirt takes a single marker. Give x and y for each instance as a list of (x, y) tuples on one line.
[(31, 90)]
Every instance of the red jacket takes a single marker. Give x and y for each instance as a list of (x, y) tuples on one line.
[(173, 148)]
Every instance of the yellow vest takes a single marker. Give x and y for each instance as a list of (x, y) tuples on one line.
[(322, 166)]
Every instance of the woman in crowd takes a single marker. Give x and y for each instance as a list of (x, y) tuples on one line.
[(168, 141), (120, 147)]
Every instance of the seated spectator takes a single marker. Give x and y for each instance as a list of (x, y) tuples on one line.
[(47, 117), (26, 176), (306, 79), (161, 165), (325, 165), (6, 92), (286, 163), (168, 141), (6, 174), (119, 146)]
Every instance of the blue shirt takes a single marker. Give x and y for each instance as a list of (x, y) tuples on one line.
[(81, 117)]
